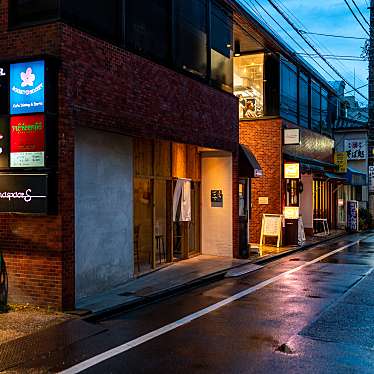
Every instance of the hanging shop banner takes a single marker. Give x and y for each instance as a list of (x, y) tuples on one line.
[(4, 142), (27, 87), (356, 149), (4, 88), (292, 171), (23, 193), (341, 159), (371, 178), (27, 141), (352, 215)]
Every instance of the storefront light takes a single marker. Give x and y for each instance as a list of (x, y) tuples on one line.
[(292, 170)]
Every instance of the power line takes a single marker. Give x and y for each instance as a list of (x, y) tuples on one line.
[(354, 15), (357, 88), (332, 35), (314, 48), (363, 17), (314, 40)]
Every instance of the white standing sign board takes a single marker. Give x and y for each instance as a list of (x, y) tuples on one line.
[(271, 226)]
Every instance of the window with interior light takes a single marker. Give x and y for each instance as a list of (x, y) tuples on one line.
[(249, 85)]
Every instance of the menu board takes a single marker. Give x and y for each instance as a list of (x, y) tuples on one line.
[(27, 141), (271, 226), (352, 215)]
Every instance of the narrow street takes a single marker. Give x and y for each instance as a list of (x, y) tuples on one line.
[(309, 312)]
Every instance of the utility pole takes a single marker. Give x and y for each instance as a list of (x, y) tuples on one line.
[(371, 108)]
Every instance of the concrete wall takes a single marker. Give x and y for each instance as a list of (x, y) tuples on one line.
[(103, 210), (216, 222), (306, 201)]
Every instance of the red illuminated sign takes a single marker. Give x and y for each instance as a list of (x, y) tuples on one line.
[(27, 141)]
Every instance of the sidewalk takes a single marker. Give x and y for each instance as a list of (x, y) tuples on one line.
[(180, 276)]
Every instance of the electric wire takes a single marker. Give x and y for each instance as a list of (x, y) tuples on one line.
[(358, 9), (333, 35), (316, 41), (357, 19), (314, 48)]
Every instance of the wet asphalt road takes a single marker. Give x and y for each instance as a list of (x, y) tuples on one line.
[(322, 317)]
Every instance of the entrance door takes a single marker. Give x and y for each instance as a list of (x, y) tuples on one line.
[(243, 217), (186, 234)]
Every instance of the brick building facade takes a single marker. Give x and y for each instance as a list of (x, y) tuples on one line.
[(103, 87)]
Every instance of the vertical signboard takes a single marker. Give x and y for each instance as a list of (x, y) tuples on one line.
[(371, 178), (27, 141), (352, 215), (27, 87), (340, 159)]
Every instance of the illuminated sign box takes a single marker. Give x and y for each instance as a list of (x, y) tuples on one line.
[(27, 87), (27, 141), (24, 193), (291, 212), (292, 171)]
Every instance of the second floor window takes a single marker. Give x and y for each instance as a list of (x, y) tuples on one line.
[(249, 85), (191, 36)]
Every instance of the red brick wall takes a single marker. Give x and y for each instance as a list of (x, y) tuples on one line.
[(264, 138), (111, 89)]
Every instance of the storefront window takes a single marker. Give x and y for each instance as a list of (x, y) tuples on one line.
[(316, 106), (303, 100), (191, 36), (148, 31), (249, 85), (221, 47), (288, 89)]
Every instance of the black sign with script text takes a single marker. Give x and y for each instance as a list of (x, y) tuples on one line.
[(24, 193)]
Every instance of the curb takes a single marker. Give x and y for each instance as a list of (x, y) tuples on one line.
[(180, 289)]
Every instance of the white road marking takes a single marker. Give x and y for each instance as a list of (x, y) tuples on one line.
[(183, 321)]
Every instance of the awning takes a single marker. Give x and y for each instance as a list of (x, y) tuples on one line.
[(336, 177), (309, 165), (248, 165), (356, 177)]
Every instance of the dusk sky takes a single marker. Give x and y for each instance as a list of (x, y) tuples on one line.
[(329, 17)]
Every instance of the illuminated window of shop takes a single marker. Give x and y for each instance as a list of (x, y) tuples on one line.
[(191, 36), (303, 100), (249, 85), (221, 47), (148, 32), (316, 106), (288, 90)]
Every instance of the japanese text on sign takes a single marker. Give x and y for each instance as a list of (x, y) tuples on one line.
[(356, 149)]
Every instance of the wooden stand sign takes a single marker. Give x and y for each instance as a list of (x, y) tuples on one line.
[(271, 226)]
